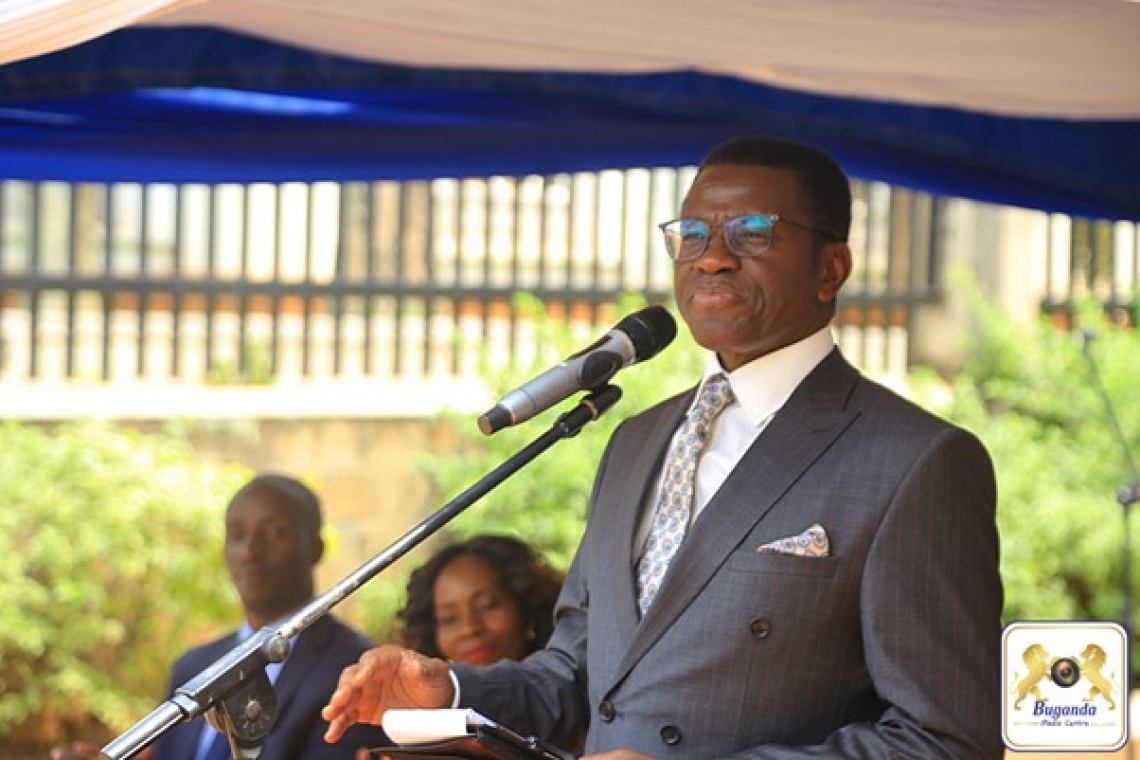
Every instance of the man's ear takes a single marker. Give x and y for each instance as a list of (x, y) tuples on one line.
[(318, 548), (834, 269)]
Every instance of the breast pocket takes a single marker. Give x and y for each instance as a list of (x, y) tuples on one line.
[(775, 563), (792, 595)]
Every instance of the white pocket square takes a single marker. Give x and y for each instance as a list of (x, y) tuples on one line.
[(812, 542)]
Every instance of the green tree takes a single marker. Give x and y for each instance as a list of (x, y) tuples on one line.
[(1031, 394), (109, 567)]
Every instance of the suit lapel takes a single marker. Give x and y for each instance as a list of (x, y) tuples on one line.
[(812, 419)]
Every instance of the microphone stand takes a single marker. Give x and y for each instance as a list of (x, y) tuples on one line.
[(235, 689), (1126, 496)]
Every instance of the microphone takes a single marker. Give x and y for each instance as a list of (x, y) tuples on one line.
[(637, 337)]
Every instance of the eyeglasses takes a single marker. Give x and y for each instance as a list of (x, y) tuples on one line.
[(745, 236)]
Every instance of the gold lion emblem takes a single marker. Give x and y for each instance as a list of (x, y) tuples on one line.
[(1036, 659), (1092, 662)]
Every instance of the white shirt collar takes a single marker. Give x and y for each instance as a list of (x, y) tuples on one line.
[(764, 384)]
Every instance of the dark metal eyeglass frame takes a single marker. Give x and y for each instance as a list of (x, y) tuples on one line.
[(672, 232)]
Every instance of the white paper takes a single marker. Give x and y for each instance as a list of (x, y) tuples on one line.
[(415, 726)]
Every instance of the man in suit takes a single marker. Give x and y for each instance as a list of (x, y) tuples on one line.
[(836, 589), (272, 545)]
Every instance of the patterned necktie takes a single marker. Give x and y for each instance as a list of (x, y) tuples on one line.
[(674, 503)]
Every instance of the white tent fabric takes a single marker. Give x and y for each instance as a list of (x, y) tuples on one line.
[(1040, 58), (33, 27)]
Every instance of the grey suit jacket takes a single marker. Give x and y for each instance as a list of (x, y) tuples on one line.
[(888, 648)]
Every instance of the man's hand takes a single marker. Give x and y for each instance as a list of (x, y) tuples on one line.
[(383, 678)]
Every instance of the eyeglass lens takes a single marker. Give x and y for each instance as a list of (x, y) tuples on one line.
[(749, 235)]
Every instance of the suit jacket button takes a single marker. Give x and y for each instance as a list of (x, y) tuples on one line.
[(607, 711), (760, 628), (671, 735)]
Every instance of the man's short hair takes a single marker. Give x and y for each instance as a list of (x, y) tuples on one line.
[(303, 498), (826, 188)]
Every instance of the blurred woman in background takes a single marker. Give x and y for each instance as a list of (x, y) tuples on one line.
[(481, 600)]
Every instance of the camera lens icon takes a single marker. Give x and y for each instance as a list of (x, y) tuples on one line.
[(1065, 672)]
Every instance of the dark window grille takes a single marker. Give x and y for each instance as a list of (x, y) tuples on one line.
[(1095, 260), (253, 284)]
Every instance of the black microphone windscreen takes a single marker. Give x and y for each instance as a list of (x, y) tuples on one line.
[(650, 330)]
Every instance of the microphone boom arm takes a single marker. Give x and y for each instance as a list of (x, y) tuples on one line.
[(239, 675)]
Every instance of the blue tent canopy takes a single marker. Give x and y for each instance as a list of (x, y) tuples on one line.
[(198, 104)]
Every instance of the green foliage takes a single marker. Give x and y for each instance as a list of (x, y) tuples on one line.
[(378, 600), (109, 567), (1031, 394)]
